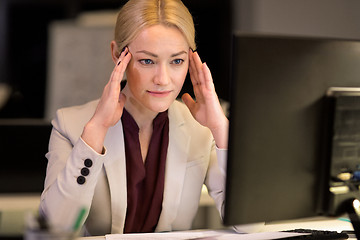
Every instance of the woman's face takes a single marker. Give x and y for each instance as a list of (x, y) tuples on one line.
[(158, 67)]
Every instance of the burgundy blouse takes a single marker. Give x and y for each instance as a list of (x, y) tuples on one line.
[(145, 181)]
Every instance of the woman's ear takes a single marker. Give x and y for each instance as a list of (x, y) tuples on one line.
[(114, 51)]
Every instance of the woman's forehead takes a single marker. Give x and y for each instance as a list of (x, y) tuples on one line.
[(159, 38)]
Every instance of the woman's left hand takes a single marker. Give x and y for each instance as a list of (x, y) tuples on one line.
[(206, 109)]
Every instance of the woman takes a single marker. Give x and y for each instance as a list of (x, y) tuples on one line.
[(137, 158)]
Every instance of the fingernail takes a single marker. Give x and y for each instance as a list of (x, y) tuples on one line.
[(118, 62)]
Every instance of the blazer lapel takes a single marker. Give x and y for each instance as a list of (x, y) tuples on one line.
[(115, 167), (175, 168)]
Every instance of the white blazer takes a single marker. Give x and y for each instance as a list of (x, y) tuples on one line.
[(192, 160)]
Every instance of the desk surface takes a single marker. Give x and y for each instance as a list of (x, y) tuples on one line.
[(30, 202), (14, 207), (318, 223)]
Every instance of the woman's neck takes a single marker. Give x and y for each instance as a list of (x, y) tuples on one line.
[(142, 116)]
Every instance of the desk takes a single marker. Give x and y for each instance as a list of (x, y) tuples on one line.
[(317, 223), (20, 203), (13, 208)]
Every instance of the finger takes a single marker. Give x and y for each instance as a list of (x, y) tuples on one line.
[(120, 67), (192, 70), (209, 83), (122, 99), (114, 85), (122, 55), (123, 59), (199, 68), (189, 102), (193, 78), (117, 65), (194, 75)]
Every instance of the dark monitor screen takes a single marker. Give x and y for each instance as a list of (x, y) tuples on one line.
[(279, 141)]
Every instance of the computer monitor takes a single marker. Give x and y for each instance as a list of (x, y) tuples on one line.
[(282, 159)]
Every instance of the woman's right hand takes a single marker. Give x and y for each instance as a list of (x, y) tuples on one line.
[(110, 107)]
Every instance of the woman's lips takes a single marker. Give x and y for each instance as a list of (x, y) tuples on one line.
[(159, 93)]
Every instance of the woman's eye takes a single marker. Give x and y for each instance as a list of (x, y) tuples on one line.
[(146, 61), (177, 61)]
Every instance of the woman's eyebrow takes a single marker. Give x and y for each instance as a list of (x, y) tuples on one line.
[(147, 53), (155, 55), (179, 53)]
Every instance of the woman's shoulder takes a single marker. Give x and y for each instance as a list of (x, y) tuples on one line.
[(80, 110), (179, 111), (179, 105), (73, 119), (180, 114)]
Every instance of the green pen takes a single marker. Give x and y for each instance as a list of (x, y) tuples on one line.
[(79, 219)]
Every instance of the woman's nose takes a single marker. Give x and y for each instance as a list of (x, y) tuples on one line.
[(162, 77)]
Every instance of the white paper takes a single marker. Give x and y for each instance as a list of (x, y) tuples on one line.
[(218, 235)]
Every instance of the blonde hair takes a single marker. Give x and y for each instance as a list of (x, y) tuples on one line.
[(138, 14)]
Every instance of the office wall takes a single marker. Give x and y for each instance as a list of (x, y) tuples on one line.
[(324, 18)]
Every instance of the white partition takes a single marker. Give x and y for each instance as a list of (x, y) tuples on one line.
[(80, 61)]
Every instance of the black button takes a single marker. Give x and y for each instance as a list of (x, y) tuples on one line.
[(81, 180), (85, 171), (88, 162)]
